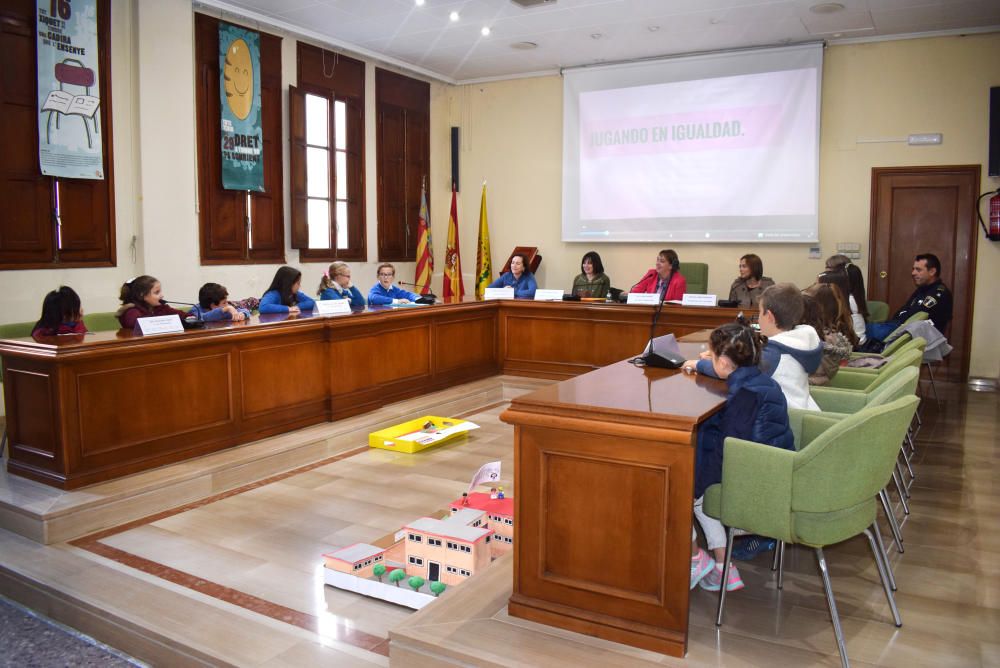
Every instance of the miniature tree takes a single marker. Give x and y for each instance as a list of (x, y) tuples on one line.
[(416, 582), (397, 575), (379, 571), (437, 587)]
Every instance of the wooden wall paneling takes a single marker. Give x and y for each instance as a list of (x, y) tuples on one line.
[(30, 391), (286, 374), (465, 344)]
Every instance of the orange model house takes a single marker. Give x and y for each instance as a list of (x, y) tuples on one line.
[(449, 550), (358, 559), (499, 518)]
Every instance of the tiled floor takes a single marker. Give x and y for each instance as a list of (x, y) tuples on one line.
[(235, 577)]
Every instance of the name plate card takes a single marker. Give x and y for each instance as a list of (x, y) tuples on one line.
[(160, 324), (695, 299), (498, 293), (548, 295), (333, 307), (644, 298)]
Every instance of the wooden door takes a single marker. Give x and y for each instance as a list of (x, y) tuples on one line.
[(927, 210)]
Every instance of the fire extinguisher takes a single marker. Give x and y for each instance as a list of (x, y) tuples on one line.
[(993, 232)]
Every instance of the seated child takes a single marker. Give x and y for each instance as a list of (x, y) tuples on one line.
[(827, 312), (61, 314), (336, 284), (213, 304), (756, 411), (142, 297), (284, 296)]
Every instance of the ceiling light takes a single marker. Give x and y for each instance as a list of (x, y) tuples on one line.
[(524, 46), (419, 3), (485, 31), (453, 16), (596, 35), (826, 8), (652, 28)]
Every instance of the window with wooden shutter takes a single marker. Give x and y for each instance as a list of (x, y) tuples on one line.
[(403, 161), (48, 222), (238, 227), (326, 156)]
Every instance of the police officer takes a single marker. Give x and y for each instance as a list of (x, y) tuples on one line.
[(931, 296)]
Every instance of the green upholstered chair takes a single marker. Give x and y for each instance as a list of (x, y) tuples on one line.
[(106, 321), (861, 379), (16, 330), (696, 275), (877, 311), (916, 317), (822, 494), (900, 344)]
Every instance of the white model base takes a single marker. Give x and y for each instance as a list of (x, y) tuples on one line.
[(402, 595)]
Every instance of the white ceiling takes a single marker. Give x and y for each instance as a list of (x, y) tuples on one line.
[(579, 32)]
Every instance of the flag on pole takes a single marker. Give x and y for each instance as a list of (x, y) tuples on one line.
[(484, 265), (453, 286), (425, 247), (489, 472)]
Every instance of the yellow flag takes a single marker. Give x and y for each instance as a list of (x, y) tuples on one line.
[(484, 265)]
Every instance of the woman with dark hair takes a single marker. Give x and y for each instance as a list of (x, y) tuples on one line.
[(841, 279), (284, 296), (751, 282), (592, 281), (519, 278), (665, 276), (142, 297), (857, 301)]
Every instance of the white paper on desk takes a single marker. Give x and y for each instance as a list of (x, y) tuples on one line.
[(695, 299), (666, 344), (498, 293), (548, 295), (333, 307), (645, 298), (160, 324), (425, 437)]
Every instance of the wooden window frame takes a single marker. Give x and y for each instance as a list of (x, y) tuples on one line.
[(337, 78), (223, 219), (87, 206), (402, 105)]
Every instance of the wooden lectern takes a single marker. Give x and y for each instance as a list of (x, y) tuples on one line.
[(604, 475)]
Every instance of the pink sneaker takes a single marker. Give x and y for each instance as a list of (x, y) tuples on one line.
[(713, 580), (701, 565)]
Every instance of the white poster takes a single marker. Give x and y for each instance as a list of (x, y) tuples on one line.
[(69, 119)]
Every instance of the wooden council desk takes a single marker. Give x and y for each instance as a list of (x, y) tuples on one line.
[(85, 409)]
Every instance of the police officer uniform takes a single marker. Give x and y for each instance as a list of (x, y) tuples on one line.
[(934, 298)]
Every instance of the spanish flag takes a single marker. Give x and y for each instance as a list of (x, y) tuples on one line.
[(454, 289), (484, 265), (425, 247)]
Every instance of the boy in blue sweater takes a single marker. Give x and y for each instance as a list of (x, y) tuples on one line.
[(213, 304)]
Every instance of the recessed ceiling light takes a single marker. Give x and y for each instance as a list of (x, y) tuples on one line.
[(838, 34), (715, 21), (596, 35), (453, 16), (524, 46), (826, 8), (652, 28), (485, 31), (419, 3)]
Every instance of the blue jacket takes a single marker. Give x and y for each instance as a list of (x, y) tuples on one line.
[(357, 299), (211, 315), (755, 410), (379, 296), (524, 287), (271, 302)]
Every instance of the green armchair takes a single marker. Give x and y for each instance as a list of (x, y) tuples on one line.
[(877, 311), (870, 379), (105, 321), (823, 494), (696, 275)]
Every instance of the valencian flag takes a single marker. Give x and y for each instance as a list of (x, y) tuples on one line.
[(484, 265), (425, 248), (453, 287)]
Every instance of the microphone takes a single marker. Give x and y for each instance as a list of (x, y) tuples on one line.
[(189, 322), (429, 298), (652, 358), (624, 295)]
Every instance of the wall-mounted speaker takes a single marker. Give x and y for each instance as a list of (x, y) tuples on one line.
[(994, 166), (454, 157)]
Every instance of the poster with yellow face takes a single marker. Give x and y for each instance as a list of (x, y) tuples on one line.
[(239, 90)]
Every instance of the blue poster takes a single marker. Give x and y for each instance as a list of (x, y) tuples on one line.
[(69, 94), (239, 88)]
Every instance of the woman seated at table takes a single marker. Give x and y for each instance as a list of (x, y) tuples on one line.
[(385, 293), (518, 278), (666, 275), (592, 282), (751, 282)]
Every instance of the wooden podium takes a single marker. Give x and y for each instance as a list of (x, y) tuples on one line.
[(604, 471)]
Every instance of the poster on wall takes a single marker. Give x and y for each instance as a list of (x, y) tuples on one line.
[(69, 125), (239, 88)]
